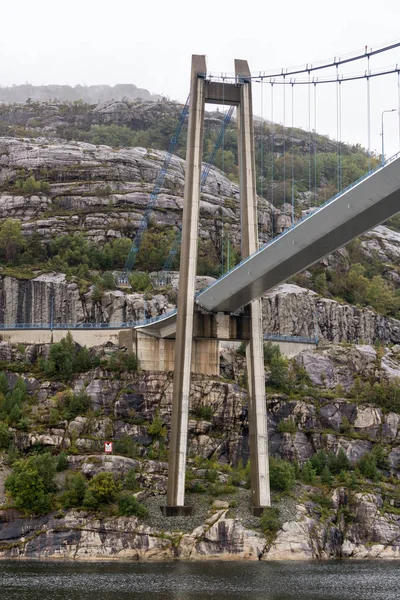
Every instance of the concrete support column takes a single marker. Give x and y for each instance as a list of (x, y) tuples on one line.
[(258, 433), (187, 274)]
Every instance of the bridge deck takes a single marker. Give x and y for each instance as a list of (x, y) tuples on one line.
[(357, 209)]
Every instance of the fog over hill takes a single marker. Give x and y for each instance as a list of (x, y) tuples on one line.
[(92, 94)]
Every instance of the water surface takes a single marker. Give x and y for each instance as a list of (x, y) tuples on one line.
[(359, 580)]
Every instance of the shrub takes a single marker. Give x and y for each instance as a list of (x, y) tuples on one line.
[(338, 462), (326, 476), (203, 412), (129, 506), (75, 491), (126, 446), (157, 429), (381, 457), (31, 483), (308, 473), (5, 436), (281, 475), (270, 522), (279, 372), (271, 351), (140, 282), (71, 405), (62, 462), (367, 466), (3, 383), (61, 359), (123, 361), (287, 426), (131, 482), (102, 489), (12, 404)]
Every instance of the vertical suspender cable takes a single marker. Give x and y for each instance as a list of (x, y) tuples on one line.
[(292, 154), (284, 145), (309, 140), (272, 158), (262, 144), (223, 171), (398, 101), (369, 117), (315, 143), (337, 131), (340, 136)]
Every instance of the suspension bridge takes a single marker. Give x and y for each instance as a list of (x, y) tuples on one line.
[(231, 307)]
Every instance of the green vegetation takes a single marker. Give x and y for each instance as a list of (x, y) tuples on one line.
[(31, 484), (75, 490), (12, 404), (71, 405), (282, 475), (129, 506), (287, 426), (12, 242), (203, 412), (66, 359), (359, 280), (102, 490), (270, 522)]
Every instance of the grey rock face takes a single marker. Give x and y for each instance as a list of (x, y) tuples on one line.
[(292, 310), (103, 192)]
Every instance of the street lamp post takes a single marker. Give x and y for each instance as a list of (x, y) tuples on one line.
[(383, 144), (293, 182)]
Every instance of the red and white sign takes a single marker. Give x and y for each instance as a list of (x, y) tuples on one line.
[(108, 447)]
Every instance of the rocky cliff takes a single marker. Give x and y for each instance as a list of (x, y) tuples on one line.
[(358, 518), (103, 192), (287, 310)]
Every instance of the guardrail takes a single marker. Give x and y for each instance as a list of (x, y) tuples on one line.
[(298, 339), (111, 325)]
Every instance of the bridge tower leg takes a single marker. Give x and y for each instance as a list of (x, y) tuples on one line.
[(187, 274), (238, 94), (258, 433)]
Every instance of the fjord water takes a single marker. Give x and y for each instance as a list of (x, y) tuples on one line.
[(358, 580)]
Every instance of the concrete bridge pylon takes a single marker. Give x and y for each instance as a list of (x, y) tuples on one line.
[(238, 94)]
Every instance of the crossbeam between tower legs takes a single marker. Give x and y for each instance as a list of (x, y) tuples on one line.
[(187, 274)]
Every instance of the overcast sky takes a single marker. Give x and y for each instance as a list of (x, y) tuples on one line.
[(149, 43)]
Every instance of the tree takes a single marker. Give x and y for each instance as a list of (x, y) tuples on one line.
[(5, 436), (102, 489), (129, 506), (308, 473), (279, 372), (31, 483), (281, 474), (75, 491), (11, 240), (157, 429), (367, 466), (61, 358)]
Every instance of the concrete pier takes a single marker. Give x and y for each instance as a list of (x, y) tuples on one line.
[(258, 436), (187, 274)]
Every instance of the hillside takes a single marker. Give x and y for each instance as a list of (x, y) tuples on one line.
[(75, 179)]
